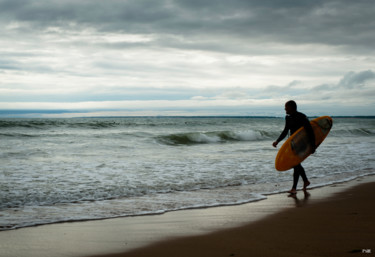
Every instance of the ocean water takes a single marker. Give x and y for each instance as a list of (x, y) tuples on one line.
[(56, 170)]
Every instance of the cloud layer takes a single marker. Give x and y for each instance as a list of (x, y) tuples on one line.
[(187, 57)]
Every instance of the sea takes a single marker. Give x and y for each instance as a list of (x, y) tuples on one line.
[(76, 169)]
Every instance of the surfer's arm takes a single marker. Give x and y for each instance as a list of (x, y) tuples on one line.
[(282, 135), (310, 134)]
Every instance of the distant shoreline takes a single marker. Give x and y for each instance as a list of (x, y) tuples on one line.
[(27, 112)]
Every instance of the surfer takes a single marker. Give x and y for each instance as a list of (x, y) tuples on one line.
[(293, 121)]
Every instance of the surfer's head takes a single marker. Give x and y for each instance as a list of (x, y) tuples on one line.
[(290, 107)]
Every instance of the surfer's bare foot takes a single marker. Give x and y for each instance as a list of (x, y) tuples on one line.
[(292, 191), (305, 185)]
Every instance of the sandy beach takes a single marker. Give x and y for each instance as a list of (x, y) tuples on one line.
[(336, 220), (341, 225)]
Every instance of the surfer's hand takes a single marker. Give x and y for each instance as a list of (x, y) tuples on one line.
[(275, 143)]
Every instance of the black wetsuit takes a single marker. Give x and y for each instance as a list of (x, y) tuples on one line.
[(292, 123)]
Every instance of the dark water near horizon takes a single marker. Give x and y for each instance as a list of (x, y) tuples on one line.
[(55, 170)]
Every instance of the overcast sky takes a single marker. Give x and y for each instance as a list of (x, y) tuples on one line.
[(67, 58)]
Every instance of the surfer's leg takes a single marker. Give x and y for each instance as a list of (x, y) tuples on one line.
[(302, 173), (295, 179), (299, 171), (306, 182)]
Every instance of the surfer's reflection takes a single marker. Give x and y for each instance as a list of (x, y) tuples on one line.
[(301, 202)]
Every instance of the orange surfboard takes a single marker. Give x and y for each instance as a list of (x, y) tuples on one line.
[(297, 148)]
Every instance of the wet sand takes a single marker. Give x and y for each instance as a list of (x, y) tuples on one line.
[(342, 225), (334, 220)]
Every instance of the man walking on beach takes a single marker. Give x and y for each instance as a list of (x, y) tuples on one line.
[(293, 121)]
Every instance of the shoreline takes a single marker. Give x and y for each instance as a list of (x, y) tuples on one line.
[(340, 225), (260, 197), (137, 234)]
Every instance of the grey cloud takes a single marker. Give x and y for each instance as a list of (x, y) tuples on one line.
[(116, 15), (88, 44), (9, 64), (356, 80), (353, 86), (324, 87), (297, 22), (290, 87)]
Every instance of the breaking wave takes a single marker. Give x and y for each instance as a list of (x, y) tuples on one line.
[(192, 138)]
